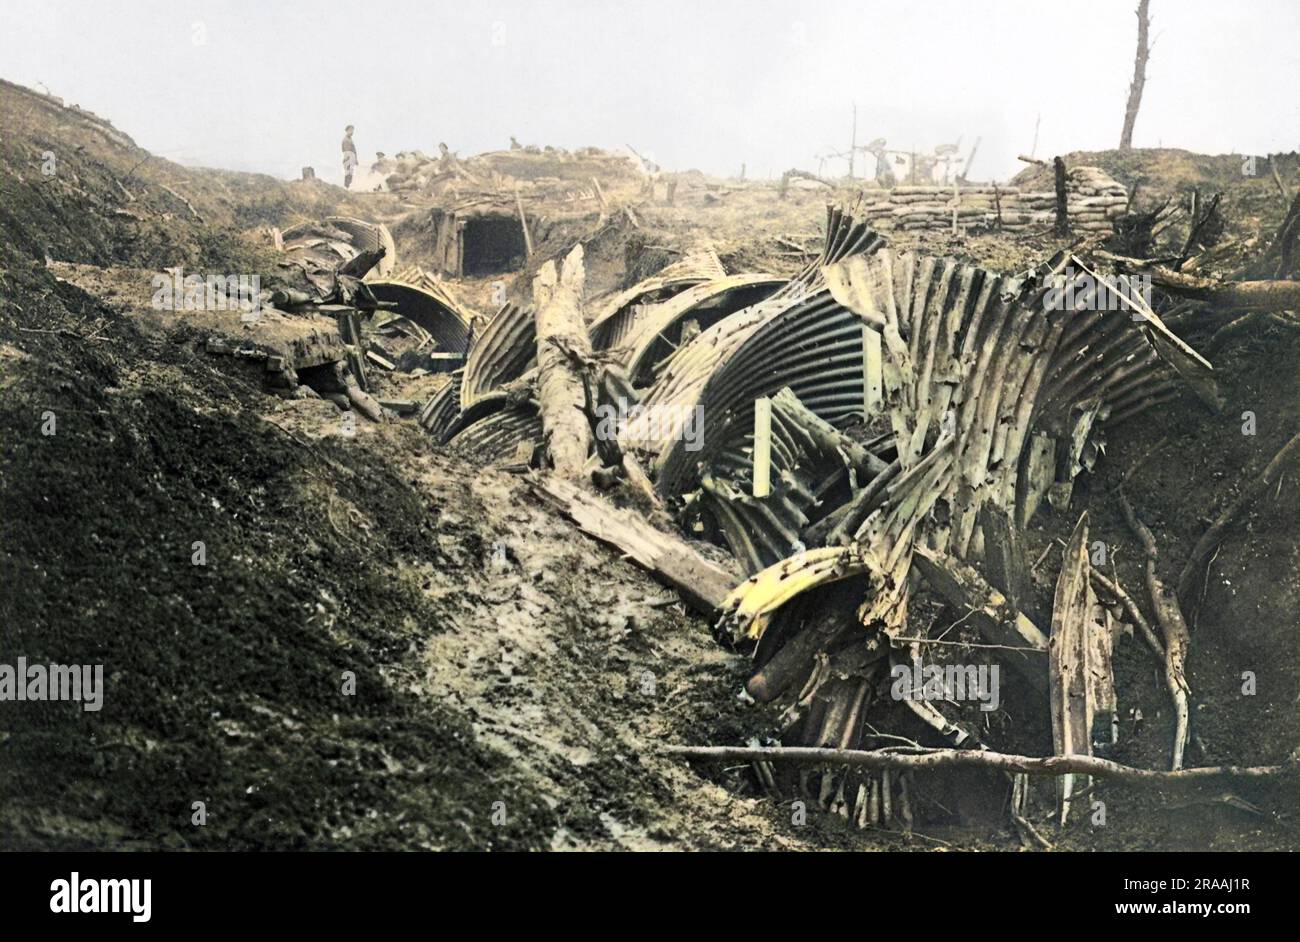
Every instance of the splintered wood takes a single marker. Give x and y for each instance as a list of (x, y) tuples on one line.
[(1082, 682), (561, 388)]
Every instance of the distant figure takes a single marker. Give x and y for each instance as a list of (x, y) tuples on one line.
[(514, 144), (446, 159), (349, 157)]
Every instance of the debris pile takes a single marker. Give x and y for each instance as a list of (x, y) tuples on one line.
[(318, 249), (841, 466), (869, 441), (342, 314)]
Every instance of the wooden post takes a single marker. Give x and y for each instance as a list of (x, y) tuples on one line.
[(1062, 198), (523, 223), (873, 388), (762, 447)]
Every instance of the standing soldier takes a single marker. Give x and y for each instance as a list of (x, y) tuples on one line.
[(349, 157)]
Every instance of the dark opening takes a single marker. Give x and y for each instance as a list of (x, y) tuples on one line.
[(493, 244)]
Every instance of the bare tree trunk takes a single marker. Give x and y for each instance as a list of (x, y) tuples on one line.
[(561, 389), (1139, 76)]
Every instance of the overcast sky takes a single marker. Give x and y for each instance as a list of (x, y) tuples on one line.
[(266, 86)]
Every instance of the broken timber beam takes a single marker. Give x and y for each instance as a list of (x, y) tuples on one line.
[(1278, 295), (702, 583), (561, 387), (1267, 295), (1073, 706), (1004, 556)]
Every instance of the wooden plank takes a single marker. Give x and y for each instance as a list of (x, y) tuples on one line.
[(1004, 556), (1072, 709), (762, 447), (1040, 474), (703, 584), (873, 389)]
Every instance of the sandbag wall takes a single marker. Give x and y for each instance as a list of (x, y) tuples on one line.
[(1094, 199)]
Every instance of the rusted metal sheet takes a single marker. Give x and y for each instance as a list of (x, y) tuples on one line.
[(369, 236), (432, 308), (503, 351), (614, 318), (655, 330)]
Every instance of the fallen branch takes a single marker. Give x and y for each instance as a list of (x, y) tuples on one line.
[(1116, 591), (1269, 295), (984, 759), (1228, 330), (1174, 627)]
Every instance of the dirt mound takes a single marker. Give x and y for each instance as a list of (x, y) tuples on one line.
[(224, 679), (495, 706), (75, 188)]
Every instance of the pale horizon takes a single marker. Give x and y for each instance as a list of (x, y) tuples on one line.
[(231, 84)]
